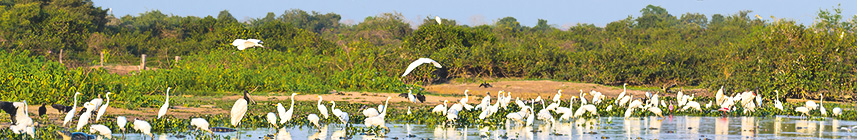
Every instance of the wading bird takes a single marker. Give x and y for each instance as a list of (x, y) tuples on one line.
[(84, 118), (120, 122), (341, 115), (286, 116), (379, 120), (102, 130), (70, 114), (440, 109), (242, 44), (777, 103), (200, 124), (163, 110), (436, 18), (322, 108), (143, 127), (419, 62), (239, 108), (103, 108), (272, 118)]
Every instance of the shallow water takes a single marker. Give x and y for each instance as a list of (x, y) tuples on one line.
[(677, 127)]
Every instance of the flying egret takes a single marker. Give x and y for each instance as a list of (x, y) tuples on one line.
[(103, 108), (120, 122), (272, 118), (441, 108), (242, 44), (102, 130), (343, 116), (322, 108), (84, 118), (436, 18), (200, 123), (143, 127), (238, 109), (419, 62), (286, 116), (163, 110), (70, 114)]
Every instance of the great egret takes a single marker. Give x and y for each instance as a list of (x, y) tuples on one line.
[(200, 123), (379, 120), (314, 120), (102, 130), (441, 108), (777, 103), (655, 110), (343, 116), (680, 98), (238, 109), (163, 110), (518, 117), (70, 114), (557, 96), (486, 101), (120, 122), (692, 104), (821, 105), (419, 62), (372, 112), (322, 108), (811, 105), (803, 110), (242, 44), (103, 108), (621, 95), (143, 127), (97, 102), (84, 118), (545, 114), (531, 116), (272, 118), (286, 116), (436, 18), (582, 98), (625, 99)]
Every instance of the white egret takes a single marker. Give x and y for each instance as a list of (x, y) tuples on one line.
[(436, 18), (557, 96), (272, 118), (518, 117), (409, 110), (531, 116), (411, 96), (655, 110), (837, 111), (803, 110), (163, 110), (143, 127), (625, 99), (419, 62), (70, 114), (242, 44), (379, 120), (708, 105), (372, 112), (777, 103), (313, 118), (693, 105), (121, 121), (103, 108), (200, 124), (621, 95), (97, 102), (286, 116), (811, 105), (441, 108), (821, 105), (343, 116), (238, 109), (582, 98), (486, 101), (84, 118), (102, 130), (545, 114), (322, 108)]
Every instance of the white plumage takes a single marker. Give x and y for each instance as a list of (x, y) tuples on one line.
[(102, 130), (322, 108), (121, 121), (436, 18), (242, 44), (163, 110), (441, 108), (84, 118), (103, 108), (377, 120), (314, 120), (286, 116), (70, 114), (200, 123), (419, 62), (343, 116), (837, 111), (143, 127), (777, 103), (272, 118), (238, 110)]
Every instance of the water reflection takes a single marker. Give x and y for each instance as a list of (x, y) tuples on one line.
[(748, 127), (721, 128), (283, 134)]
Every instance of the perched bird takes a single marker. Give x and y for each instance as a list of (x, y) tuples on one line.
[(143, 127), (419, 62), (436, 18), (70, 114), (163, 110), (103, 108), (200, 123), (286, 116), (242, 44), (102, 130)]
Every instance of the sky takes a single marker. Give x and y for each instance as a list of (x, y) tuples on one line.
[(560, 13)]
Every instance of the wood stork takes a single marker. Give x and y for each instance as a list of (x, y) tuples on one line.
[(70, 114), (313, 118), (103, 108), (837, 111), (803, 110), (419, 62), (239, 109), (163, 110)]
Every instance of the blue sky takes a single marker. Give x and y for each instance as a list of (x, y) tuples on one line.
[(561, 13)]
